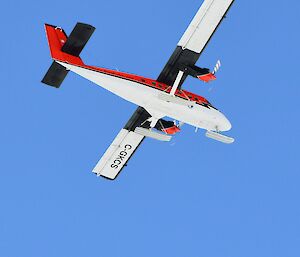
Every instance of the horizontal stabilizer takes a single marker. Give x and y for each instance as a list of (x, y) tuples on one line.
[(55, 75), (78, 39)]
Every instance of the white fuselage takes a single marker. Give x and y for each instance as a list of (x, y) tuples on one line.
[(157, 103)]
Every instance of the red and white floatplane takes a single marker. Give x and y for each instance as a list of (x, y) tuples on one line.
[(156, 99)]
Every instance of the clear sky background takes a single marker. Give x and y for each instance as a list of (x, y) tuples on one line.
[(190, 197)]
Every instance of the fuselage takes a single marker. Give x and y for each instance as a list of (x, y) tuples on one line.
[(155, 97)]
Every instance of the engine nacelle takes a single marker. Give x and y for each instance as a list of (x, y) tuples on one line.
[(203, 74), (168, 127)]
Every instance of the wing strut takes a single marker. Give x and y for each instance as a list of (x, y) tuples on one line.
[(176, 83)]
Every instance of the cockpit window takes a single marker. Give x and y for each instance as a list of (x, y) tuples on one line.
[(210, 105)]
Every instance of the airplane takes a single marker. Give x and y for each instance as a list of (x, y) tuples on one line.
[(156, 98)]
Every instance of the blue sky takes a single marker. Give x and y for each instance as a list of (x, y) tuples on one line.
[(191, 197)]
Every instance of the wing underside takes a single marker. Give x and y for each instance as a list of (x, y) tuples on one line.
[(195, 39), (118, 154), (123, 146)]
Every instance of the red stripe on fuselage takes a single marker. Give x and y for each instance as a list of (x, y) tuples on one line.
[(145, 81)]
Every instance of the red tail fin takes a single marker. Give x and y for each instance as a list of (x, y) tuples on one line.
[(65, 49), (56, 39)]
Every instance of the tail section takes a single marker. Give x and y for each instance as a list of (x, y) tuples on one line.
[(65, 49)]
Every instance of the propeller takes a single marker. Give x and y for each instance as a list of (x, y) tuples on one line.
[(217, 67), (180, 123)]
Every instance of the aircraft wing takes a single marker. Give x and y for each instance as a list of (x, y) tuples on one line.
[(187, 52), (195, 39), (123, 147)]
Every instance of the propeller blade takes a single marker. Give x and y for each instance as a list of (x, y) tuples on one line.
[(180, 124), (217, 67)]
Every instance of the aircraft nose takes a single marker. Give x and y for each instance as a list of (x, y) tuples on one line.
[(223, 123)]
